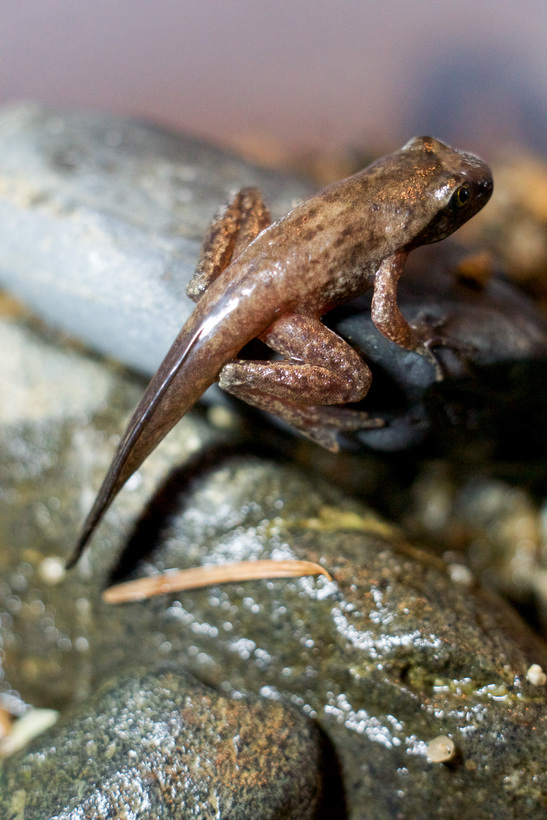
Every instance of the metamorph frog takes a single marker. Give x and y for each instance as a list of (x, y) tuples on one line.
[(274, 281)]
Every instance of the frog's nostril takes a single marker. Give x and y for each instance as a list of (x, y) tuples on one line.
[(488, 185)]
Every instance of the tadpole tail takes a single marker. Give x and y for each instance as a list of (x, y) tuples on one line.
[(190, 367)]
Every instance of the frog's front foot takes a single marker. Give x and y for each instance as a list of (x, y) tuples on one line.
[(430, 336), (425, 349)]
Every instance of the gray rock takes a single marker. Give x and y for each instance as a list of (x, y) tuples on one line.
[(160, 744), (398, 651), (57, 430), (102, 218)]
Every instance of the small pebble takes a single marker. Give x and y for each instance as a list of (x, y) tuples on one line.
[(461, 574), (441, 749), (536, 676)]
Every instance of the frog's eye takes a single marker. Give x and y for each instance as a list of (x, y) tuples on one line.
[(461, 197)]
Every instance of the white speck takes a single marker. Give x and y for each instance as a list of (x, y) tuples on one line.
[(495, 691), (269, 692), (52, 570), (361, 722), (81, 644), (460, 574), (317, 588), (243, 647), (203, 658), (377, 644), (536, 676)]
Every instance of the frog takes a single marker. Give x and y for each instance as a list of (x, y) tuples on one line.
[(275, 281)]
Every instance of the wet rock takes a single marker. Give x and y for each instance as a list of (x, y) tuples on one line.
[(57, 430), (489, 524), (102, 219), (160, 744), (397, 651)]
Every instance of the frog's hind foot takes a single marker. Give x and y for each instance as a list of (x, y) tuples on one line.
[(324, 424), (320, 423)]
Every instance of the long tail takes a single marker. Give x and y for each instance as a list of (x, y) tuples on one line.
[(190, 367)]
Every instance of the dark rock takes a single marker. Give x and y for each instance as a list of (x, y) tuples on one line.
[(160, 744), (56, 435), (492, 353)]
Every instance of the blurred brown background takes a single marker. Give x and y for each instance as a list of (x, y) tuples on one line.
[(290, 77)]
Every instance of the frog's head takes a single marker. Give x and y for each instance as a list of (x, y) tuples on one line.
[(459, 186)]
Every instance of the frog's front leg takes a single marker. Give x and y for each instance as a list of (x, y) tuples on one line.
[(319, 369), (385, 312), (388, 318), (234, 226)]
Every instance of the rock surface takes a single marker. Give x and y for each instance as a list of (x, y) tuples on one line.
[(400, 649), (56, 436), (102, 219), (160, 744), (100, 223)]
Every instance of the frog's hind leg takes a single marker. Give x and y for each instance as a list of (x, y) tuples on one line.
[(234, 226), (320, 369)]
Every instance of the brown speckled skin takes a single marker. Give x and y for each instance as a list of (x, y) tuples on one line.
[(275, 281)]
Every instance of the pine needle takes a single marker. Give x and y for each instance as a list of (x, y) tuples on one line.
[(197, 577)]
